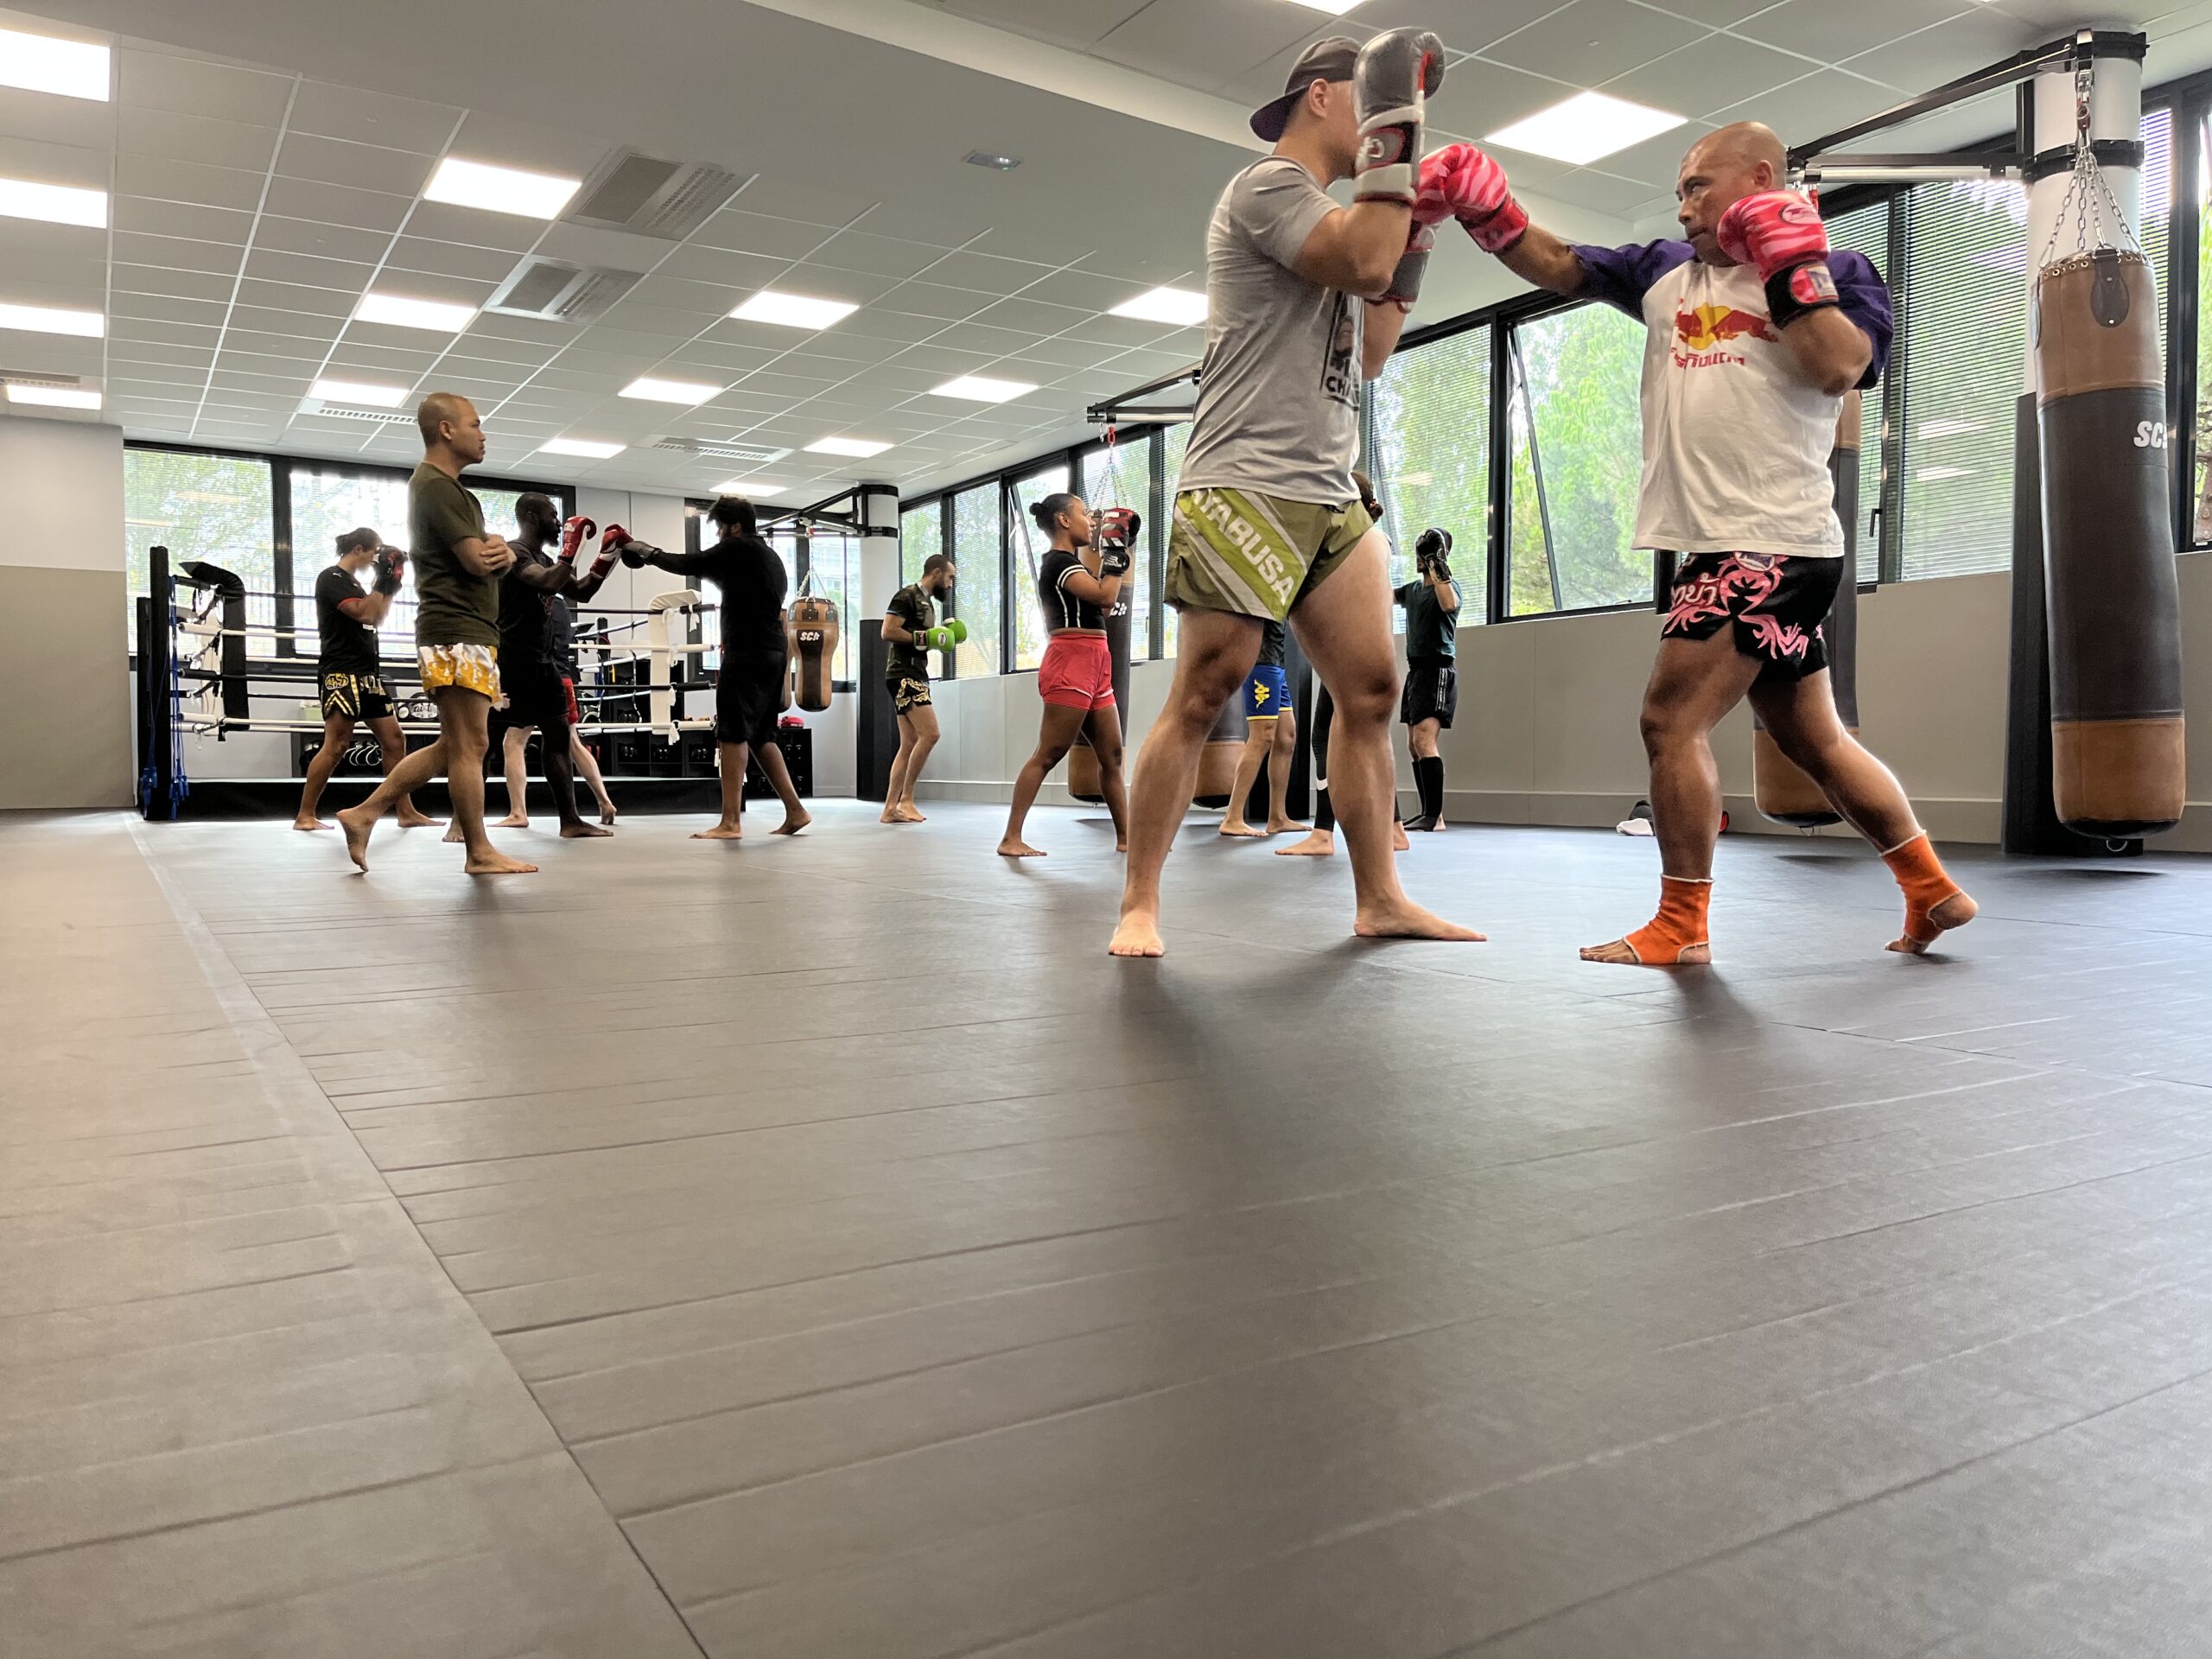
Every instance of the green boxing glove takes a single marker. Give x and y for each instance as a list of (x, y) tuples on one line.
[(957, 630), (936, 638)]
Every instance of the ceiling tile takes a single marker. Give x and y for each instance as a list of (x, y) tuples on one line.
[(985, 275), (164, 308), (1720, 69), (1656, 163), (1478, 98), (209, 142), (759, 233), (180, 284), (1831, 34), (1959, 47), (285, 324), (153, 79), (1031, 316), (1719, 13), (567, 148), (143, 215), (347, 276), (809, 203), (420, 254), (1065, 23), (740, 273), (373, 117), (884, 255), (335, 303), (1822, 102), (364, 166), (1205, 42), (160, 179), (442, 222), (336, 204), (51, 120), (1590, 41), (280, 235), (176, 252)]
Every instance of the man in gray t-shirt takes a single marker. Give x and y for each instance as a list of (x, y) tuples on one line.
[(1305, 300)]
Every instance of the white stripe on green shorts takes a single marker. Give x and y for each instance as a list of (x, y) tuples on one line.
[(1247, 550)]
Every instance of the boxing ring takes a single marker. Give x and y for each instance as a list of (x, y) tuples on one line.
[(639, 670)]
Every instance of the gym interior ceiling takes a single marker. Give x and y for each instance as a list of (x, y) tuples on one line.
[(267, 161)]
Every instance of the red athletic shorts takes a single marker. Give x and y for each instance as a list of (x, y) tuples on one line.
[(1077, 671)]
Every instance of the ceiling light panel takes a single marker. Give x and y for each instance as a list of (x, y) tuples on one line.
[(1334, 8), (751, 488), (500, 189), (793, 310), (55, 396), (1179, 307), (981, 389), (437, 316), (52, 320), (39, 63), (590, 448), (1584, 128), (55, 204), (360, 391), (859, 449), (656, 390)]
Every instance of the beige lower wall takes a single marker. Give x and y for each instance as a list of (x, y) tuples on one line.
[(1546, 731), (65, 701)]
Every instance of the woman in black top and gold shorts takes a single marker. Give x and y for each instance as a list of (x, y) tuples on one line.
[(1076, 678)]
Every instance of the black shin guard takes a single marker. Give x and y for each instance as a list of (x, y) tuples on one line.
[(1428, 776)]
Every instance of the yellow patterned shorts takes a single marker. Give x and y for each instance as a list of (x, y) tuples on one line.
[(472, 667), (1255, 555)]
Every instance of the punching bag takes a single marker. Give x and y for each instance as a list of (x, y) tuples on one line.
[(811, 636), (1225, 745), (1782, 791), (2112, 599), (1082, 765)]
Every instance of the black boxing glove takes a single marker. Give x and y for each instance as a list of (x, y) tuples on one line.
[(1113, 560), (1433, 550), (392, 570)]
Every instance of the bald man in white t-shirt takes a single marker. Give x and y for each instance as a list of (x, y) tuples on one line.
[(1756, 330)]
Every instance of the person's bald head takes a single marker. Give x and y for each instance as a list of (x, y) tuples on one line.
[(1722, 167), (450, 426)]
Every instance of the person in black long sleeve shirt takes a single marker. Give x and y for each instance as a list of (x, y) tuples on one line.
[(538, 694), (749, 690)]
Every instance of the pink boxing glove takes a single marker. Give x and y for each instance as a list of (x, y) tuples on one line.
[(1779, 232), (1459, 181)]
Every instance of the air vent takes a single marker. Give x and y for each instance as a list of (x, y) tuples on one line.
[(378, 417), (651, 197), (552, 291), (31, 377), (752, 455)]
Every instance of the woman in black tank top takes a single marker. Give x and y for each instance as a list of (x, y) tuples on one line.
[(1079, 585)]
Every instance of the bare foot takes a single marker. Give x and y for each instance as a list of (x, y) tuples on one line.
[(1622, 951), (1240, 830), (1010, 848), (453, 837), (607, 812), (891, 815), (1121, 846), (513, 821), (911, 814), (410, 819), (583, 831), (497, 863), (357, 824), (1401, 918), (1319, 843), (1955, 912), (793, 823), (1398, 842), (1137, 936), (722, 832), (305, 822), (1285, 827)]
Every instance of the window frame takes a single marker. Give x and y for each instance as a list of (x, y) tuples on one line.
[(283, 572)]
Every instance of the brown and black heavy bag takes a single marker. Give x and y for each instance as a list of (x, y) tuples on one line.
[(1781, 790), (2114, 602), (810, 629)]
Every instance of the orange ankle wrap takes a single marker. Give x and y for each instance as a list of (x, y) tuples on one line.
[(1679, 924), (1925, 884)]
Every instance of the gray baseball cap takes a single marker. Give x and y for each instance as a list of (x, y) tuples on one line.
[(1329, 59)]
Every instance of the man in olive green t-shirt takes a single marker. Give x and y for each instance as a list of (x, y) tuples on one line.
[(457, 571)]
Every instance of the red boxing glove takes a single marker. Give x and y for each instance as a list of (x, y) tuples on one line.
[(1780, 233), (1118, 527), (608, 552), (574, 534), (1459, 181)]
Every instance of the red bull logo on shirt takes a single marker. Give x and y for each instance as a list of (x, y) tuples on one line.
[(1706, 331)]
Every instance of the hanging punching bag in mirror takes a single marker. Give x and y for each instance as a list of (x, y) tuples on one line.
[(1781, 790), (2114, 602)]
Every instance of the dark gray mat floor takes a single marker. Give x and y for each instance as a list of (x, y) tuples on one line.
[(904, 1278)]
